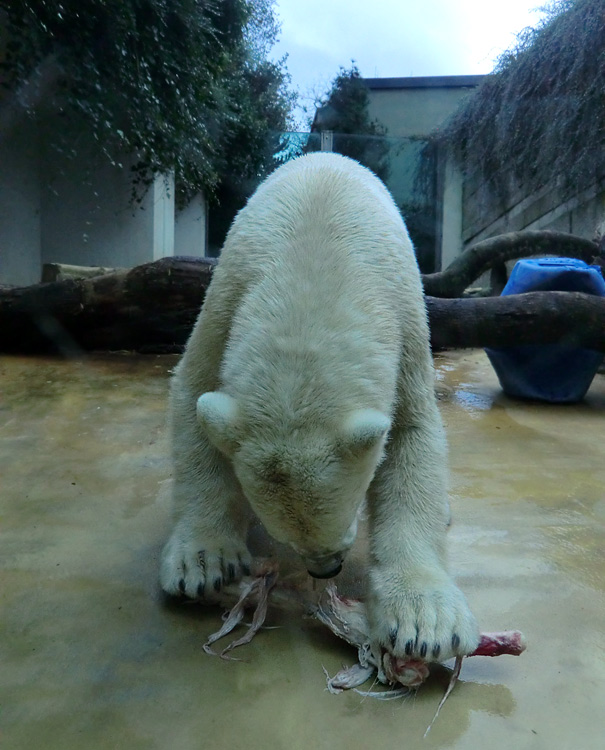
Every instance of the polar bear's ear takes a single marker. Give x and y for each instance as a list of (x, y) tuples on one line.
[(364, 429), (218, 414)]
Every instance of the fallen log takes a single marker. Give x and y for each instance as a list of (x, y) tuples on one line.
[(152, 308), (571, 318)]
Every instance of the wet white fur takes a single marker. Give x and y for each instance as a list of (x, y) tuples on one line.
[(307, 384)]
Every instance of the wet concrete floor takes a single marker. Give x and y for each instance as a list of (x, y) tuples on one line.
[(90, 656)]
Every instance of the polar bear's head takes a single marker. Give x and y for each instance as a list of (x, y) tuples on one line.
[(306, 483)]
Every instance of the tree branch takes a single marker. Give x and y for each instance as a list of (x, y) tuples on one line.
[(569, 318), (479, 258)]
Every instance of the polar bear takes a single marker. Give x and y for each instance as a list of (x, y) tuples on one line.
[(306, 390)]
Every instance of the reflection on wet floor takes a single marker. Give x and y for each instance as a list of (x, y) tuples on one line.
[(92, 658)]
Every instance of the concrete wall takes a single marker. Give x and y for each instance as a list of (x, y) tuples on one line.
[(87, 218), (55, 209), (485, 215), (20, 250), (467, 211), (416, 106)]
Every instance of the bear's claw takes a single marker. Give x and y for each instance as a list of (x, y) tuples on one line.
[(195, 568), (413, 621)]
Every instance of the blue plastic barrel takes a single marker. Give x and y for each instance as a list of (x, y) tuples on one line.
[(557, 373)]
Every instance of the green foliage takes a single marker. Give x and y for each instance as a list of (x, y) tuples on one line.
[(251, 143), (540, 115), (344, 110), (184, 85)]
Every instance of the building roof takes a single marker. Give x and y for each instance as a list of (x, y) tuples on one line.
[(424, 82)]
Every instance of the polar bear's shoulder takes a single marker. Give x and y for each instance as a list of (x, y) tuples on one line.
[(323, 167), (319, 189)]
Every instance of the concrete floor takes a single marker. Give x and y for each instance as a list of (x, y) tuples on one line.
[(90, 657)]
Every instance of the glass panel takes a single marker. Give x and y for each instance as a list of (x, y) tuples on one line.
[(408, 167)]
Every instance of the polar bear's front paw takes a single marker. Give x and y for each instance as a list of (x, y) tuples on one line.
[(199, 567), (420, 618)]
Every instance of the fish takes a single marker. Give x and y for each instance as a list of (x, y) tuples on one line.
[(253, 591), (346, 617)]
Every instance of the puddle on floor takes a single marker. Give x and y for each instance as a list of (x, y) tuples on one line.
[(92, 658)]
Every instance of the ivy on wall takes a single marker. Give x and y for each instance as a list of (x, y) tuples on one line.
[(540, 115)]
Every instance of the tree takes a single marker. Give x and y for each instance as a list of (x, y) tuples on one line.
[(345, 111), (184, 85), (248, 147), (263, 105)]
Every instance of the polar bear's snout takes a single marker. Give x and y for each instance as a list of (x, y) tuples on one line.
[(327, 566)]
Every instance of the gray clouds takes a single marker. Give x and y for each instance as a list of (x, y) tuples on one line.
[(396, 37)]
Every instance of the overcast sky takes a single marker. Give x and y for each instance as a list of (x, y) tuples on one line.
[(396, 37)]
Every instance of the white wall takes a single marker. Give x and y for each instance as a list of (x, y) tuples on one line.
[(78, 211), (20, 252), (87, 218)]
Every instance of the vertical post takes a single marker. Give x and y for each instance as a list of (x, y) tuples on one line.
[(327, 140), (451, 211), (191, 228), (163, 215)]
